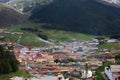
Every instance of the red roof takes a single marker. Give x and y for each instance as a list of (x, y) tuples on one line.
[(21, 68), (40, 57), (32, 71), (44, 52), (25, 48), (72, 55), (94, 59), (93, 65), (48, 67)]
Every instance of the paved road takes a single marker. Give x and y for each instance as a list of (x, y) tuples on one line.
[(45, 41), (105, 77)]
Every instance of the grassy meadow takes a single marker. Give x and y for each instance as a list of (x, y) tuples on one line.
[(31, 37)]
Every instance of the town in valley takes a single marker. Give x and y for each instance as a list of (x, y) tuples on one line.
[(75, 60)]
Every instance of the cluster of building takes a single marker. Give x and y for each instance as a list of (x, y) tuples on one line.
[(39, 63)]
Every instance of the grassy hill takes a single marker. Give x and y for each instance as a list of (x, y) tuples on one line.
[(30, 37), (85, 16), (10, 16)]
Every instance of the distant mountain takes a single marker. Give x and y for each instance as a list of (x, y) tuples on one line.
[(4, 0), (27, 5), (10, 16), (86, 16), (115, 3)]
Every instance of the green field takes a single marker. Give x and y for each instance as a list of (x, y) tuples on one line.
[(66, 36), (31, 37), (107, 46), (26, 39), (18, 73)]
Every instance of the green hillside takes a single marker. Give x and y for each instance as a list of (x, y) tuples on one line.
[(31, 37)]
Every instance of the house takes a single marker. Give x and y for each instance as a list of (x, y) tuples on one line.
[(95, 62), (94, 42), (22, 68), (74, 56), (40, 59), (111, 40), (32, 71), (24, 50), (111, 60), (66, 50)]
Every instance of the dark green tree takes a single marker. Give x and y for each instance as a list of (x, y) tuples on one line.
[(6, 67), (56, 60), (71, 60), (8, 62), (14, 65)]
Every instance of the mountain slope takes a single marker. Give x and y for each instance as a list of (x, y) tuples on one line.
[(27, 5), (10, 16), (114, 2), (4, 0), (86, 16)]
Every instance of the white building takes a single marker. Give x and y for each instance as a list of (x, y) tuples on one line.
[(111, 40), (113, 72)]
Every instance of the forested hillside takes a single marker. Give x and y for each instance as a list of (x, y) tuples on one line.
[(86, 16)]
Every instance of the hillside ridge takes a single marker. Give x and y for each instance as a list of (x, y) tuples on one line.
[(10, 16)]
